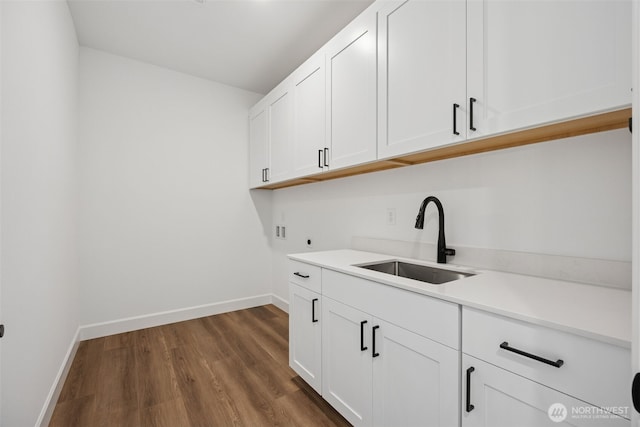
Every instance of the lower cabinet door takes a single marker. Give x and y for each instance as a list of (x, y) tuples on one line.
[(415, 380), (305, 335), (494, 397), (346, 361)]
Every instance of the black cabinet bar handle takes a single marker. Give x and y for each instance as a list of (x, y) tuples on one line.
[(362, 346), (263, 175), (558, 363), (266, 175), (635, 389), (320, 158), (373, 340), (455, 119), (469, 407), (304, 276), (326, 157), (471, 102), (313, 310)]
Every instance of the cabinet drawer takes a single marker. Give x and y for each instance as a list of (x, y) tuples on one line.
[(432, 318), (305, 275), (593, 371)]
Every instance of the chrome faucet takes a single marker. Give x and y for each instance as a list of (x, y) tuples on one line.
[(443, 251)]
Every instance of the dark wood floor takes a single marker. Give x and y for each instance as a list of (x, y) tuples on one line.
[(225, 370)]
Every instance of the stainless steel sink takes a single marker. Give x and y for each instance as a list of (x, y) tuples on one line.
[(423, 273)]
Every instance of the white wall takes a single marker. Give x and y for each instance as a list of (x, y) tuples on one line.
[(166, 218), (38, 175), (568, 197)]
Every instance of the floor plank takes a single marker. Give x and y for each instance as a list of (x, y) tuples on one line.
[(167, 414), (84, 375), (117, 385), (156, 379), (74, 412), (225, 370)]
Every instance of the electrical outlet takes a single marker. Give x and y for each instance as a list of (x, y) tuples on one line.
[(281, 232), (391, 216)]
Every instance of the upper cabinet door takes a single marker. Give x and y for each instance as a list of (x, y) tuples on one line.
[(258, 146), (309, 94), (536, 61), (351, 93), (421, 75), (280, 134)]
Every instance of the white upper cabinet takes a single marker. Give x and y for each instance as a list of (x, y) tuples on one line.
[(351, 93), (280, 109), (414, 75), (534, 62), (421, 75), (258, 146), (309, 94)]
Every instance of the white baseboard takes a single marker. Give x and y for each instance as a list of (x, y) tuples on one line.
[(97, 330), (58, 383), (281, 303)]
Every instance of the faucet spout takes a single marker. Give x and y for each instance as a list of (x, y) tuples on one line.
[(443, 251)]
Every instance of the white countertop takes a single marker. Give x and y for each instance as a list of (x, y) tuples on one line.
[(592, 311)]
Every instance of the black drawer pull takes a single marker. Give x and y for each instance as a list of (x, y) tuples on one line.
[(304, 276), (320, 158), (326, 157), (558, 363), (373, 339), (471, 102), (469, 406), (313, 310), (455, 119), (362, 346)]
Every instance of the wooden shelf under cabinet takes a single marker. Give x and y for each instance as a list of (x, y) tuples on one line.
[(582, 126)]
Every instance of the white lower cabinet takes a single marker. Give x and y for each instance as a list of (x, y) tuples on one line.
[(346, 365), (305, 337), (415, 380), (376, 373), (495, 397), (386, 357), (529, 375)]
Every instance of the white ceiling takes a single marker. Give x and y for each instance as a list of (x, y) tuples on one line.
[(250, 44)]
